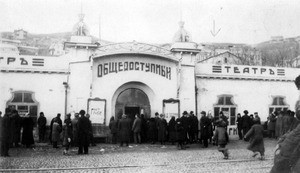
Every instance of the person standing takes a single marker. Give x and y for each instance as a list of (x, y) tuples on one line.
[(239, 126), (42, 121), (15, 128), (172, 130), (286, 122), (143, 129), (184, 122), (124, 130), (58, 120), (56, 130), (210, 127), (136, 128), (67, 133), (4, 133), (257, 117), (256, 139), (162, 129), (92, 141), (246, 122), (194, 127), (152, 130), (271, 125), (113, 126), (220, 137), (27, 135), (278, 125), (75, 130), (84, 130), (205, 125)]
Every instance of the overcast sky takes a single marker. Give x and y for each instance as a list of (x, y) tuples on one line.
[(156, 21)]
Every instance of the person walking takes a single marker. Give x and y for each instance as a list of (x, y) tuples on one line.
[(113, 126), (239, 126), (256, 139), (124, 130), (4, 133), (42, 121), (83, 127), (220, 137), (27, 135), (75, 130), (67, 133), (136, 128)]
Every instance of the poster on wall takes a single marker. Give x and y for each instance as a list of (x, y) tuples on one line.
[(97, 109), (171, 108)]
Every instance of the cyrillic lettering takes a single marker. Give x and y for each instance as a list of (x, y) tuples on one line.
[(236, 70), (10, 59), (246, 70), (105, 69), (120, 66), (136, 66), (227, 68), (100, 70)]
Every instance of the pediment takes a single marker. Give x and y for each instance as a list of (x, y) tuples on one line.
[(134, 48)]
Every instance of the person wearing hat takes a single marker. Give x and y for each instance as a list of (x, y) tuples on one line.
[(4, 133), (256, 139), (246, 122), (204, 128), (185, 125), (84, 131), (220, 137), (124, 128), (27, 135)]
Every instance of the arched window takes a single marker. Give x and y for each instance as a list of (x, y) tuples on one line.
[(278, 104), (226, 105), (24, 102)]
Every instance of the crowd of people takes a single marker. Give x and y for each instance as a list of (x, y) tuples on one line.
[(183, 130)]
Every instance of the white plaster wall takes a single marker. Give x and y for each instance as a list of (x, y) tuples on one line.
[(251, 95), (106, 86), (187, 89), (79, 86), (48, 90)]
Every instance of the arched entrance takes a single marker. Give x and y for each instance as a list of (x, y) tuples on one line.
[(132, 101)]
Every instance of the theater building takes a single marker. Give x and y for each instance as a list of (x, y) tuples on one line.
[(138, 78)]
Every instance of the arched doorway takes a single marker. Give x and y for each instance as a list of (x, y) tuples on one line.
[(132, 101)]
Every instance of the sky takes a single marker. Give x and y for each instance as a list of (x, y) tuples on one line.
[(156, 21)]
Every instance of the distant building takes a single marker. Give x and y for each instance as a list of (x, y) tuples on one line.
[(276, 39), (56, 49), (20, 34)]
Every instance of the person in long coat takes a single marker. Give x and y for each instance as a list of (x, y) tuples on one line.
[(286, 122), (239, 126), (162, 129), (220, 137), (15, 126), (271, 125), (67, 133), (75, 130), (59, 121), (287, 153), (278, 125), (246, 122), (152, 129), (144, 129), (4, 133), (181, 134), (27, 135), (56, 130), (113, 126), (210, 127), (42, 121), (256, 139), (124, 130), (136, 128), (172, 130), (204, 125), (84, 130), (194, 127)]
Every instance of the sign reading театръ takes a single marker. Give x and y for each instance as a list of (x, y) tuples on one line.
[(266, 71), (117, 67)]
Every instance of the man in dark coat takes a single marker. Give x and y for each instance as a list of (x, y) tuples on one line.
[(151, 130), (75, 130), (278, 125), (15, 128), (204, 127), (144, 129), (256, 139), (271, 125), (162, 129), (42, 121), (286, 122), (185, 124), (181, 134), (246, 122), (193, 127), (27, 135), (124, 130), (4, 133), (287, 154), (84, 130), (172, 130), (59, 121), (136, 128), (239, 126), (113, 126)]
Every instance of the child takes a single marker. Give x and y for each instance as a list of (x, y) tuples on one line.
[(220, 137), (256, 139)]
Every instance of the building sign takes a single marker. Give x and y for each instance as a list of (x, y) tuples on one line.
[(250, 70), (171, 107), (21, 61), (118, 67), (96, 109)]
